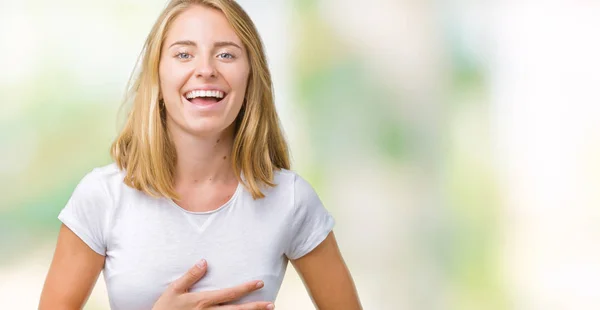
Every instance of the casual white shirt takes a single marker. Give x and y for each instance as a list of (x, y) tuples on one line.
[(149, 242)]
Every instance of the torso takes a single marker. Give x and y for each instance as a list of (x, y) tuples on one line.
[(152, 242)]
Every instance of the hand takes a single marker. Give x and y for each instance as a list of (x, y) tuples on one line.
[(177, 297)]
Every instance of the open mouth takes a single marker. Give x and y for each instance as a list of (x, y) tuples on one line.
[(205, 101), (205, 97)]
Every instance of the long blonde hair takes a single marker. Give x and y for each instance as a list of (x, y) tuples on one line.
[(143, 148)]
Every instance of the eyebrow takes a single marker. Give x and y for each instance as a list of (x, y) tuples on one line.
[(217, 44)]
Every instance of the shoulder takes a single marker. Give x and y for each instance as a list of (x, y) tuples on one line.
[(284, 177), (285, 180), (91, 206), (101, 182), (292, 184), (108, 173)]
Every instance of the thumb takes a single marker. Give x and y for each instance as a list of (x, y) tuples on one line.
[(190, 277)]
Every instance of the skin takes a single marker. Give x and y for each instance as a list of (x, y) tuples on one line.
[(327, 278), (72, 275), (201, 49)]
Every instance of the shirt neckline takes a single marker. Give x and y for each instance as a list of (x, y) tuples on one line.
[(223, 206)]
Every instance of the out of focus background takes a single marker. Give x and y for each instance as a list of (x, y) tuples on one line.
[(457, 143)]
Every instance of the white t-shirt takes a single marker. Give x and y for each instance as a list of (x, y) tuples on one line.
[(149, 242)]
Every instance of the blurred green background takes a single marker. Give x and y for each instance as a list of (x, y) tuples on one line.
[(455, 142)]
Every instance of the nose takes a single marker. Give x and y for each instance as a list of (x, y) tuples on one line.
[(206, 68)]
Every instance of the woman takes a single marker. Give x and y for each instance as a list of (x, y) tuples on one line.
[(200, 175)]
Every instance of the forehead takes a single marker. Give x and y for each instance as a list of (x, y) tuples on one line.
[(201, 24)]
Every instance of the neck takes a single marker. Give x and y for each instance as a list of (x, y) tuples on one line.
[(203, 160)]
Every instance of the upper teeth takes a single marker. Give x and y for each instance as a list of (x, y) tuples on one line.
[(205, 93)]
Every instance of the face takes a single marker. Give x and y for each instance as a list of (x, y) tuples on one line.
[(203, 72)]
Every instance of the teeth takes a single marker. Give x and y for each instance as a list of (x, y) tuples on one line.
[(204, 94)]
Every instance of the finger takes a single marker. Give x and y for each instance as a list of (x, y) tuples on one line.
[(230, 294), (190, 277), (260, 305)]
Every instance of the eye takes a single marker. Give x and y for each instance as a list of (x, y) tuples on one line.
[(226, 56), (183, 56)]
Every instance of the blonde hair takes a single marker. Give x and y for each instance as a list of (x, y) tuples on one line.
[(143, 148)]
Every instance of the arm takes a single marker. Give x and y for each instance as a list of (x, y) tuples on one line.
[(73, 273), (327, 278)]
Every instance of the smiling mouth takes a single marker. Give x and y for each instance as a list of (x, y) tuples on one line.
[(205, 97)]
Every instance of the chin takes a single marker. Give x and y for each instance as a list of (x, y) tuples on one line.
[(202, 124), (205, 130), (207, 127)]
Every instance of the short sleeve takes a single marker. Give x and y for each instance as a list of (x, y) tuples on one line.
[(311, 222), (87, 211)]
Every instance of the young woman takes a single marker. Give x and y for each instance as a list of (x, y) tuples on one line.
[(201, 179)]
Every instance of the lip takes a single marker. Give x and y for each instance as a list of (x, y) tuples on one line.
[(206, 107)]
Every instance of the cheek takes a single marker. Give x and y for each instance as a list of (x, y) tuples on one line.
[(241, 81), (171, 77)]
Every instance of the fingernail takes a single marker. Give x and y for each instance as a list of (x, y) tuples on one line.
[(201, 263), (270, 306), (260, 284)]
